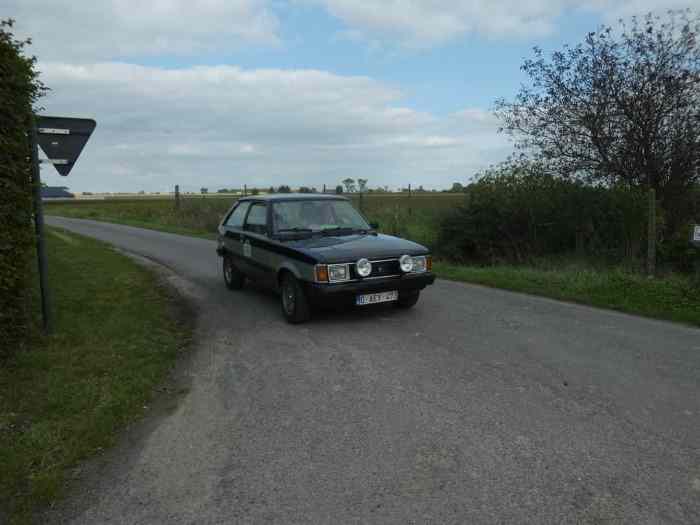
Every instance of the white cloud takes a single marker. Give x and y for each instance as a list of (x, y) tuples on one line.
[(86, 31), (421, 23), (612, 10), (428, 22), (225, 126), (108, 29)]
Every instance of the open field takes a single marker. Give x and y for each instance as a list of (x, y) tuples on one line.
[(117, 332), (194, 217), (415, 216)]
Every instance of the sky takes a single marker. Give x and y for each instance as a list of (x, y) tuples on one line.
[(221, 93)]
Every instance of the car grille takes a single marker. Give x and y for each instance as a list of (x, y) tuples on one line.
[(382, 268)]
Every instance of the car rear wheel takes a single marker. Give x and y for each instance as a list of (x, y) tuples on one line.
[(408, 299), (295, 305), (233, 278)]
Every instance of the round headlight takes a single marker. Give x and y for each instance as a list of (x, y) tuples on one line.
[(363, 267), (406, 263)]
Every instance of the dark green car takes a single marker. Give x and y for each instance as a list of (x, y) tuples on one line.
[(318, 250)]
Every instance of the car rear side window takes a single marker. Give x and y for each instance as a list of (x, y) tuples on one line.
[(235, 220), (257, 219)]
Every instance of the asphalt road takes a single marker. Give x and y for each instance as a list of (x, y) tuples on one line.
[(476, 406)]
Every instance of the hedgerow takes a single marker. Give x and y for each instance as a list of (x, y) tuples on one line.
[(515, 217), (19, 90)]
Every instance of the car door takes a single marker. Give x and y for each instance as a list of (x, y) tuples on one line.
[(234, 236), (256, 243)]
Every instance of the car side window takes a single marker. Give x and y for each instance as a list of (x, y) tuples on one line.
[(257, 219), (235, 220)]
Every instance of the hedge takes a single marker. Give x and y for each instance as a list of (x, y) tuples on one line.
[(19, 90), (524, 216), (516, 217)]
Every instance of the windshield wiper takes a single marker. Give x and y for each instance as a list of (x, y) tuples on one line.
[(341, 231), (295, 230)]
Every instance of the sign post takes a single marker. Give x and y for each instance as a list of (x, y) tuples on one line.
[(39, 225), (62, 139)]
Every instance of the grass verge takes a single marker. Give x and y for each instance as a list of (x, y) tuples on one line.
[(674, 298), (116, 334)]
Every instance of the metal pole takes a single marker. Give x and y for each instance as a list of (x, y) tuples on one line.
[(39, 223), (177, 196), (245, 190)]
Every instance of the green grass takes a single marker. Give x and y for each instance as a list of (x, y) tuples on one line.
[(117, 332), (198, 216), (674, 297), (415, 217)]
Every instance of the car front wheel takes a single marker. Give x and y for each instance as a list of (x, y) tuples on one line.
[(233, 278), (407, 300), (295, 305)]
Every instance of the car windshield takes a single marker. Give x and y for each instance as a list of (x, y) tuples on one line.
[(316, 216)]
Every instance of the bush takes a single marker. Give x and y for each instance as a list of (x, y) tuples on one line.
[(19, 89), (677, 253), (516, 216)]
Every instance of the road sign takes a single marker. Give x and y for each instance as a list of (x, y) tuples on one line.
[(62, 139)]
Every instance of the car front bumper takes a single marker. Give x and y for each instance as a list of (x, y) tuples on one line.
[(343, 294)]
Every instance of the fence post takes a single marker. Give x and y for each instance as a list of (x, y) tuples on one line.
[(177, 196), (695, 243), (651, 234)]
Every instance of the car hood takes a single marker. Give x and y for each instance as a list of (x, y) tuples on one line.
[(348, 248)]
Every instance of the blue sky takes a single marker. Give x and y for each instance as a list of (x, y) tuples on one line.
[(469, 71), (220, 93)]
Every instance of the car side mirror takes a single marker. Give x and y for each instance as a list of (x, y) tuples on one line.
[(374, 225)]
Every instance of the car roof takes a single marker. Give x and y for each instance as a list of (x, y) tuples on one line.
[(276, 197)]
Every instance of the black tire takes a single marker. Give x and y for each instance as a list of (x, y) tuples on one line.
[(408, 299), (233, 278), (293, 300)]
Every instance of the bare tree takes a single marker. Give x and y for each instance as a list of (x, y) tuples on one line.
[(623, 106)]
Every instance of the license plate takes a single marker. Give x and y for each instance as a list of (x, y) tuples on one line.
[(373, 298)]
